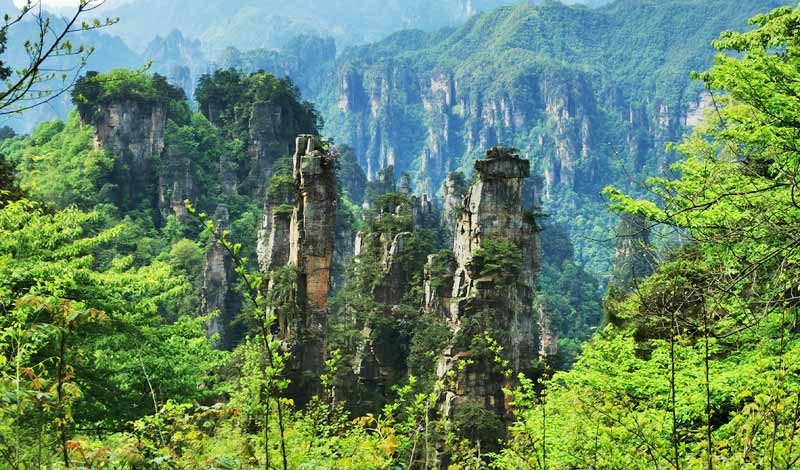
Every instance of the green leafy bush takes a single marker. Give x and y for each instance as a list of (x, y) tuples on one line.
[(498, 259)]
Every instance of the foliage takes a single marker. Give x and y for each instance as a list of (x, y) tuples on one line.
[(391, 215), (59, 164), (476, 423), (441, 268), (69, 327), (9, 188), (52, 62), (570, 295), (499, 259), (228, 97), (95, 91), (430, 336), (105, 363), (697, 369)]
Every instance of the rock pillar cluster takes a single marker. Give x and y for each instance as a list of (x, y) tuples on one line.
[(380, 359)]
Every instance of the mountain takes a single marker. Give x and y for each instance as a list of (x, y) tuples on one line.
[(180, 59), (307, 60), (251, 24), (592, 96)]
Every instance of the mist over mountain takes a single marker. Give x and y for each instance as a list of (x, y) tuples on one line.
[(250, 24), (182, 46), (110, 52)]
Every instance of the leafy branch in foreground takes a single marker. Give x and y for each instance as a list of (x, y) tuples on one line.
[(53, 62), (264, 321)]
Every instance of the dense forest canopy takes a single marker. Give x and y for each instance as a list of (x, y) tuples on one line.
[(203, 280)]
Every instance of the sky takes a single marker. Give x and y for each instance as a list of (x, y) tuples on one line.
[(67, 3), (54, 3)]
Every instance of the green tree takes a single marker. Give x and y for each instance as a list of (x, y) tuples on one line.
[(700, 369), (71, 322)]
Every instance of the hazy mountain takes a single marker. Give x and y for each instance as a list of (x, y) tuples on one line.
[(180, 59), (109, 52), (250, 24)]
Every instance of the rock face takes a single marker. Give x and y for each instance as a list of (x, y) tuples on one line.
[(218, 294), (459, 118), (382, 183), (387, 258), (548, 336), (430, 102), (380, 360), (146, 170), (481, 300), (273, 235), (271, 132), (175, 185), (424, 213), (313, 221), (453, 191), (134, 133), (307, 246), (352, 183)]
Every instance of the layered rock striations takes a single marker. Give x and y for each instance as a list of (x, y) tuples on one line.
[(274, 234), (454, 189), (271, 129), (313, 221)]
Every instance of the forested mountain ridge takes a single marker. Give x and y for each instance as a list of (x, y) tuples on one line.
[(592, 96)]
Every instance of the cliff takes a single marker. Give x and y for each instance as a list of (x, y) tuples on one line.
[(218, 295), (380, 358), (549, 79), (274, 233), (309, 237), (133, 131), (262, 111), (494, 269)]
